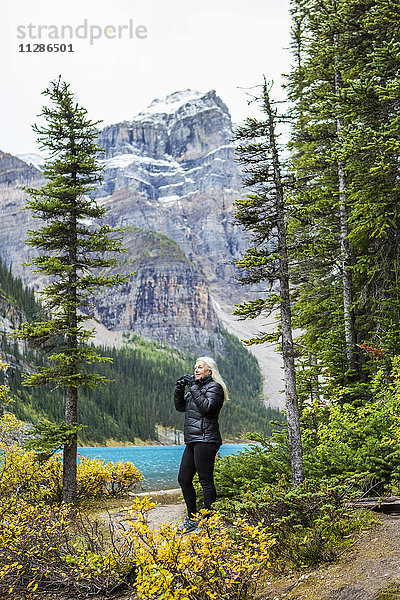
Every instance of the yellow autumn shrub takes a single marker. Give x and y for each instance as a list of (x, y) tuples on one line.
[(20, 470), (30, 543), (43, 547), (213, 563), (97, 478), (123, 476)]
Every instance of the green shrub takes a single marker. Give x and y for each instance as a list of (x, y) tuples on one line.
[(252, 467), (309, 523), (350, 439), (339, 439)]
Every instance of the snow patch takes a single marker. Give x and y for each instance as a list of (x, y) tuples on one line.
[(119, 162), (125, 160), (86, 222), (170, 104), (169, 199), (171, 185), (122, 161)]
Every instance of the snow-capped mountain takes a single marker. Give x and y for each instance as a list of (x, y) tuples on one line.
[(171, 177), (191, 100), (170, 170)]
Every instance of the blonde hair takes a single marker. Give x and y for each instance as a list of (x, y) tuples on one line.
[(215, 374)]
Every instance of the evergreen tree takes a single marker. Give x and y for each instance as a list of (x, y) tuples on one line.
[(345, 89), (264, 213), (73, 249)]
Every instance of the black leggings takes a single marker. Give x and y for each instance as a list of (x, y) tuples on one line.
[(200, 457)]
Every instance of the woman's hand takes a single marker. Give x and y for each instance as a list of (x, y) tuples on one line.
[(180, 383), (189, 379), (185, 380)]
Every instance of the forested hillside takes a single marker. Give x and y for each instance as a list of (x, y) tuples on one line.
[(140, 395), (15, 293)]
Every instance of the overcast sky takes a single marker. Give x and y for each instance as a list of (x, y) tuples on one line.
[(224, 45)]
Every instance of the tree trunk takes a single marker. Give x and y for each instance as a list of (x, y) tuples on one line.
[(349, 325), (346, 259), (292, 406), (71, 393), (70, 450)]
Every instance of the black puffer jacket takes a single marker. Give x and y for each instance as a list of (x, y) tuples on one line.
[(201, 406)]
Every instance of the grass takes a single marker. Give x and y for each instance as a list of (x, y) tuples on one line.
[(392, 592)]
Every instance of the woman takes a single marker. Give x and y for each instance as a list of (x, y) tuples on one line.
[(201, 405)]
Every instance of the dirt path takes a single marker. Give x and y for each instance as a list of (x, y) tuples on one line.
[(169, 508), (363, 572)]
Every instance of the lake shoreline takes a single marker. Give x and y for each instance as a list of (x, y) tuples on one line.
[(159, 465), (155, 444)]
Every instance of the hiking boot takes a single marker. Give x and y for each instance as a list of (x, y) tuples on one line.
[(188, 526)]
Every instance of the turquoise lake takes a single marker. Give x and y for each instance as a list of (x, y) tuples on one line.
[(159, 464)]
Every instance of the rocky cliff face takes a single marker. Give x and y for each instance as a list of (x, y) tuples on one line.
[(14, 171), (184, 126), (10, 316), (170, 170), (166, 298), (15, 222)]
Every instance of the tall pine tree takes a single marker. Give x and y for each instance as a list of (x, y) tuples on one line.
[(73, 250), (264, 213)]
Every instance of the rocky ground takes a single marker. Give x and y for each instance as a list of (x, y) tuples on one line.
[(369, 570)]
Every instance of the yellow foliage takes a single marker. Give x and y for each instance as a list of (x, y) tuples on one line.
[(213, 563), (22, 472), (10, 428), (43, 545), (97, 478)]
